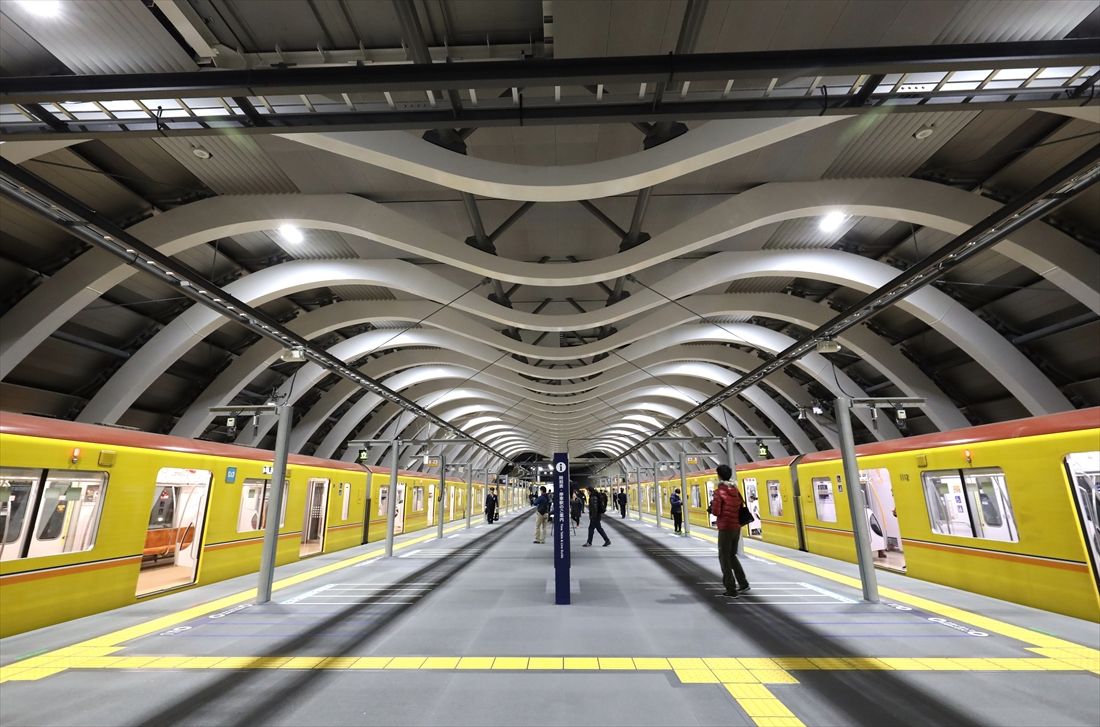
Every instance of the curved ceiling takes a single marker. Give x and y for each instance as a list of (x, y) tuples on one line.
[(648, 267)]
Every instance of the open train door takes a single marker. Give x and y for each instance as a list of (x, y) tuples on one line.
[(1083, 469), (313, 529), (174, 536)]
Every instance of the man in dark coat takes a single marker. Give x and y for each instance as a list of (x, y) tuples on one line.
[(490, 505), (597, 504)]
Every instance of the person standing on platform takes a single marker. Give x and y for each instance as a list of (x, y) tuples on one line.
[(542, 514), (676, 505), (622, 502), (490, 506), (726, 507), (597, 505)]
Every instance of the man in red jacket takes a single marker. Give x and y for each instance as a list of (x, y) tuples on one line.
[(725, 506)]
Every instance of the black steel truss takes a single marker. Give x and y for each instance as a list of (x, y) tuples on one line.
[(636, 89)]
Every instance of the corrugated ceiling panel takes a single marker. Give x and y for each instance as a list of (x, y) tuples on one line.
[(236, 165), (362, 292), (759, 285), (105, 36), (21, 55), (805, 233), (887, 147), (992, 21)]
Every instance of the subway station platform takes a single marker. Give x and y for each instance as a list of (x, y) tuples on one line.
[(464, 631)]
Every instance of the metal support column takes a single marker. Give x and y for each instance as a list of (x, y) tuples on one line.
[(442, 487), (638, 486), (470, 498), (274, 506), (391, 499), (657, 493), (684, 512), (856, 502)]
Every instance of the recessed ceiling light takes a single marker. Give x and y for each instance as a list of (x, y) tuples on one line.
[(42, 8), (291, 234), (924, 132), (832, 221), (200, 152)]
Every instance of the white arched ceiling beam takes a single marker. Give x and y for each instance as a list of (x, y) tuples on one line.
[(860, 340), (1038, 246), (697, 149), (112, 400), (958, 324)]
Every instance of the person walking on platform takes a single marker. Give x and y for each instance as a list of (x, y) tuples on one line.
[(676, 505), (622, 502), (576, 507), (542, 514), (726, 507), (597, 505), (490, 506)]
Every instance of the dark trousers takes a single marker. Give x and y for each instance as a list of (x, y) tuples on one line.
[(622, 509), (594, 525), (733, 575), (490, 514), (678, 520)]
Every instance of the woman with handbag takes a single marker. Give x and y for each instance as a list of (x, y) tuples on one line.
[(728, 507)]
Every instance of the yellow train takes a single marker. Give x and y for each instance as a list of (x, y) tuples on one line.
[(93, 518), (1007, 510)]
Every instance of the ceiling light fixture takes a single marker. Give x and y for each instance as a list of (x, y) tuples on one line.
[(832, 221), (291, 234), (200, 152), (42, 8), (924, 132)]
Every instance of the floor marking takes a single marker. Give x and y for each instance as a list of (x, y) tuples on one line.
[(985, 623), (113, 639), (406, 555)]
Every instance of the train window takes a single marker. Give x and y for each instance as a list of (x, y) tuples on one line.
[(68, 513), (346, 505), (17, 491), (970, 503), (253, 512), (164, 509), (418, 499), (695, 497), (775, 502), (1083, 469), (823, 499)]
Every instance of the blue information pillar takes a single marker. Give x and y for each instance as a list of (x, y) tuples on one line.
[(561, 528)]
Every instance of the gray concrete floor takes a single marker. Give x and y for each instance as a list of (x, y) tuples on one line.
[(488, 593)]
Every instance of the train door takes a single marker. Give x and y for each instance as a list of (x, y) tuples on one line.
[(752, 501), (882, 519), (451, 497), (173, 539), (313, 529), (1084, 477), (710, 498), (431, 504), (399, 516)]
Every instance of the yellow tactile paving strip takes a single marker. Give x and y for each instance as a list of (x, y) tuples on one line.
[(746, 679), (985, 623)]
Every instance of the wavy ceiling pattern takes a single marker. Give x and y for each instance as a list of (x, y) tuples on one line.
[(677, 343)]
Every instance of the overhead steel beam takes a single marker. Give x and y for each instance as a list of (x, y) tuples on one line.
[(535, 72), (37, 195), (1040, 200)]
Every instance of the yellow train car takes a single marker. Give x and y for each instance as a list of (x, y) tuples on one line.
[(1007, 510), (769, 489), (116, 515)]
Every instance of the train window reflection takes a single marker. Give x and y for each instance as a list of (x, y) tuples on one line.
[(1083, 469), (775, 502), (17, 489), (970, 503), (253, 512), (68, 515), (823, 499)]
